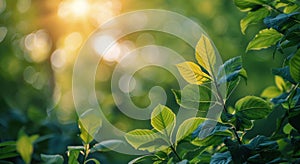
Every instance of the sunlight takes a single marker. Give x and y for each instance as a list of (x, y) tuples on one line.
[(73, 8), (79, 7)]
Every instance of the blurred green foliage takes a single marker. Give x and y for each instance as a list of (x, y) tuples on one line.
[(36, 96)]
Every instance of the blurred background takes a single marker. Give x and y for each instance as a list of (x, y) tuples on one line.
[(40, 40)]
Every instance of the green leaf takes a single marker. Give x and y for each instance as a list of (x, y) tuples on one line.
[(187, 127), (230, 70), (8, 149), (73, 153), (139, 137), (8, 143), (95, 161), (107, 145), (140, 159), (253, 18), (25, 146), (280, 83), (261, 143), (52, 159), (221, 158), (270, 92), (279, 21), (8, 155), (246, 5), (264, 39), (252, 108), (192, 73), (163, 120), (215, 137), (205, 54), (89, 124), (287, 128), (242, 123), (295, 66), (284, 73), (194, 97)]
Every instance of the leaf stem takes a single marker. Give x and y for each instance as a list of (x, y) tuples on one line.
[(280, 12), (86, 152), (237, 136), (176, 154)]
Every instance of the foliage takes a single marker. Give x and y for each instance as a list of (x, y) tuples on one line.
[(282, 31), (169, 141)]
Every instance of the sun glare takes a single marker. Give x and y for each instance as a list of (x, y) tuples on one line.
[(73, 8), (79, 7)]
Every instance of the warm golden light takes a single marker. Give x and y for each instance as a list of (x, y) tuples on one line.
[(73, 8), (79, 7)]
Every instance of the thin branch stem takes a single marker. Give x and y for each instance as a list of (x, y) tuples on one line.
[(176, 154), (237, 136)]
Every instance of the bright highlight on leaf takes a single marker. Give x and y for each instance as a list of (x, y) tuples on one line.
[(205, 54), (187, 127), (253, 18), (264, 39), (192, 73), (163, 120), (142, 139)]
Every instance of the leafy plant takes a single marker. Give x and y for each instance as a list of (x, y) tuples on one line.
[(225, 142)]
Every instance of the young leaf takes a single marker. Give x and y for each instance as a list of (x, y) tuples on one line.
[(25, 146), (163, 120), (187, 127), (270, 92), (253, 18), (107, 145), (295, 67), (264, 39), (192, 73), (230, 70), (139, 137), (205, 54), (280, 83), (194, 97), (252, 108), (52, 159), (89, 124), (73, 153)]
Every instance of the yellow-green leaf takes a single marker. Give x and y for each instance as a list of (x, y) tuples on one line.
[(295, 66), (270, 92), (144, 139), (25, 146), (163, 120), (188, 127), (205, 54), (253, 17), (280, 83), (264, 39), (89, 124), (192, 73)]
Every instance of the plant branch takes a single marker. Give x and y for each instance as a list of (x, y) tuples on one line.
[(237, 136), (174, 151)]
